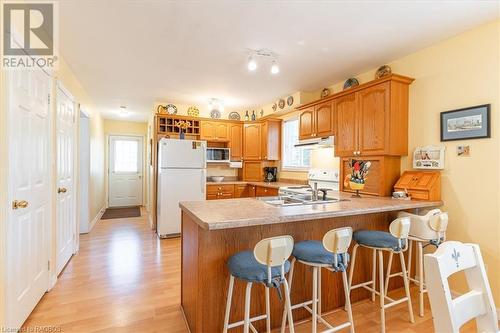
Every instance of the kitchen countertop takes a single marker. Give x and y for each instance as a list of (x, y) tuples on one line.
[(237, 213), (264, 184)]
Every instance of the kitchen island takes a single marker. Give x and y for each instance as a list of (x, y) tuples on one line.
[(212, 231)]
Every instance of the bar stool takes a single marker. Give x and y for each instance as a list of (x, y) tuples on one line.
[(427, 229), (267, 264), (395, 241), (332, 255)]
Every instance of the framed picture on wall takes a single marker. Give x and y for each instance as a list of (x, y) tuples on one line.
[(467, 123)]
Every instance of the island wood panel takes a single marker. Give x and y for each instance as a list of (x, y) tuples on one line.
[(205, 276)]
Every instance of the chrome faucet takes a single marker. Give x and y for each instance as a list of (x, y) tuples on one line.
[(314, 189)]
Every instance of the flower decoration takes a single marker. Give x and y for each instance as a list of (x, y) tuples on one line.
[(182, 124)]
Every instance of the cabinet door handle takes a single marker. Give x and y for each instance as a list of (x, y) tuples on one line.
[(359, 153), (354, 152), (19, 204)]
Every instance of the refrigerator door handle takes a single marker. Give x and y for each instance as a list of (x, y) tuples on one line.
[(203, 180)]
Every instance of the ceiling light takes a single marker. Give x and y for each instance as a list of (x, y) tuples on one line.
[(252, 64), (275, 68), (123, 111)]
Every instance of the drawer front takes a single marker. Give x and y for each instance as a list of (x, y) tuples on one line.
[(261, 191), (419, 195), (214, 189)]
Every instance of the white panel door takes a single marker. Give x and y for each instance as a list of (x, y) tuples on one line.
[(125, 171), (65, 192), (28, 223)]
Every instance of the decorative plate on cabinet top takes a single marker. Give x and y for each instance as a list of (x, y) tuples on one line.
[(383, 71), (234, 116), (352, 82), (275, 106), (289, 101), (215, 114), (281, 103), (193, 111), (325, 92), (171, 109)]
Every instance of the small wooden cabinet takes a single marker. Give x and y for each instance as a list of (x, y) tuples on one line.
[(262, 141), (253, 171), (420, 185), (262, 191), (252, 148), (270, 140), (316, 121), (236, 141), (220, 191), (214, 131), (383, 174)]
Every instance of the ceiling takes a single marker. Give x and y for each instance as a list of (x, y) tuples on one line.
[(134, 53)]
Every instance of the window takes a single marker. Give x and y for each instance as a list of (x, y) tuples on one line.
[(293, 158), (125, 155)]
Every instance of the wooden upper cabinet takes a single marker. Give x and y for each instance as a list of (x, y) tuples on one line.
[(236, 141), (214, 131), (373, 121), (252, 141), (323, 122), (346, 139), (271, 140), (373, 113), (306, 124)]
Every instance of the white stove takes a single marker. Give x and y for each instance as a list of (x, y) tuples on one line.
[(325, 178)]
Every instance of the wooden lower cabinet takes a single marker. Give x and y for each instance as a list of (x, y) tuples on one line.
[(221, 191), (383, 174), (262, 191)]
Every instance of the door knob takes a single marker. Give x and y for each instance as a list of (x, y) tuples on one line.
[(19, 204), (61, 190)]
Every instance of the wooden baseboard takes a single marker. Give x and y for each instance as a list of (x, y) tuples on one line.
[(97, 218)]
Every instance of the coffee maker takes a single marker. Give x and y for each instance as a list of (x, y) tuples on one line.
[(270, 174)]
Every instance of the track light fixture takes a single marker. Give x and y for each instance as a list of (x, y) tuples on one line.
[(262, 53)]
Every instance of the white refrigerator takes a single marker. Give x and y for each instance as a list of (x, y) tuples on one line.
[(181, 177)]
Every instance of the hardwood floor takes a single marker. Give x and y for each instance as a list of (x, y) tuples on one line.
[(126, 280)]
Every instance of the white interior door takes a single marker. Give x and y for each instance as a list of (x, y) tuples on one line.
[(28, 223), (65, 202), (125, 171)]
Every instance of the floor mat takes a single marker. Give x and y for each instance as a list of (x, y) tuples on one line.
[(119, 213)]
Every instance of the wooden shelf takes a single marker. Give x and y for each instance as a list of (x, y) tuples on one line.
[(166, 125)]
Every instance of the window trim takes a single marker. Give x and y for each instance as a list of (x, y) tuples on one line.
[(289, 168)]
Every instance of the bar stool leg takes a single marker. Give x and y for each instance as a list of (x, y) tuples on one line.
[(382, 294), (348, 300), (288, 307), (315, 300), (351, 271), (388, 275), (374, 272), (407, 286), (410, 250), (228, 302), (421, 278), (290, 279), (319, 292), (246, 325), (268, 312)]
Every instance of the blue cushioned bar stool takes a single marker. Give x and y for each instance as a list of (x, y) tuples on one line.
[(332, 255), (267, 264), (395, 242)]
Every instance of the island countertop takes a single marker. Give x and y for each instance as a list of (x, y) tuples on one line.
[(244, 212)]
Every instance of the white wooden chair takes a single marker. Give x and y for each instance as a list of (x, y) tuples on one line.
[(450, 314), (395, 242), (330, 254), (426, 229), (267, 264)]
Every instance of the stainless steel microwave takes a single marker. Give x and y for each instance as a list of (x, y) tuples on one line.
[(218, 155)]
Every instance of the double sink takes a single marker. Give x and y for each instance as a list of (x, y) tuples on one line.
[(298, 199)]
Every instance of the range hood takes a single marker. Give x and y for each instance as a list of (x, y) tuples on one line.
[(324, 142)]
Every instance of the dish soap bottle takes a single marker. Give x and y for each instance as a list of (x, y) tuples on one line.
[(247, 117)]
